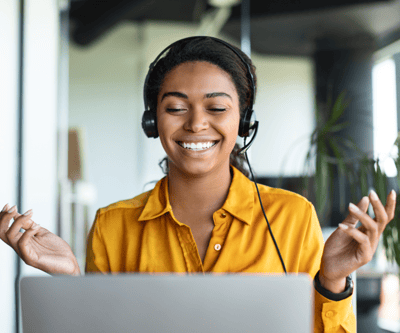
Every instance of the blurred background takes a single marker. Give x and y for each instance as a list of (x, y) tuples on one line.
[(71, 103)]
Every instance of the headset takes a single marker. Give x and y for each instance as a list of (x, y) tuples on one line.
[(248, 125)]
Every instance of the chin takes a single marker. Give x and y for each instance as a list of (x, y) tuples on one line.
[(195, 169)]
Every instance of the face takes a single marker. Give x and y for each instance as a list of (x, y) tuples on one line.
[(198, 118)]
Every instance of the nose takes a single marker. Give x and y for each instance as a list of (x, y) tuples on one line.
[(197, 120)]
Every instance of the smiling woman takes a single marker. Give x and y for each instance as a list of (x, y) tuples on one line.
[(235, 65), (198, 119), (206, 215)]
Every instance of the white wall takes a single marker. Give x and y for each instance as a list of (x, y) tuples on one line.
[(9, 16), (285, 109), (106, 100), (39, 127), (41, 52)]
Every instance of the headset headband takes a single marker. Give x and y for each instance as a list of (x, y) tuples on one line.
[(146, 106)]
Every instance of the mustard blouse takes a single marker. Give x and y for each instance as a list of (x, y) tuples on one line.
[(142, 235)]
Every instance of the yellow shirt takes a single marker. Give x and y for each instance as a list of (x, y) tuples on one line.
[(142, 235)]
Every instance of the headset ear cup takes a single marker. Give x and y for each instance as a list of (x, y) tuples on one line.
[(247, 123), (149, 124)]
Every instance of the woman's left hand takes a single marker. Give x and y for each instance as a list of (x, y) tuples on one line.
[(349, 248)]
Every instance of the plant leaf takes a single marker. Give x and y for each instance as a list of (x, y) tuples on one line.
[(337, 127), (338, 108)]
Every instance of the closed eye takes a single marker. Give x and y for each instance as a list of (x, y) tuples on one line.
[(178, 110), (174, 110)]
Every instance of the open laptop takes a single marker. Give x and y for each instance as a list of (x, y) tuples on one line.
[(215, 303)]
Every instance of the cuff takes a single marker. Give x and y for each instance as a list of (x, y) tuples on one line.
[(331, 314)]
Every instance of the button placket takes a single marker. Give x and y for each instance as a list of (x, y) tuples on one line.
[(222, 221), (218, 246)]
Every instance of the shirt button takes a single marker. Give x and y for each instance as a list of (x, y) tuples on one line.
[(329, 314), (223, 215), (217, 247)]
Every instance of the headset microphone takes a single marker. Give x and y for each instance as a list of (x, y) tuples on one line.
[(252, 130)]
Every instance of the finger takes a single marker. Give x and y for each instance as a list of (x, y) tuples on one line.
[(20, 221), (381, 216), (369, 224), (23, 243), (390, 205), (27, 223), (363, 204), (6, 207), (6, 215), (3, 213), (360, 238)]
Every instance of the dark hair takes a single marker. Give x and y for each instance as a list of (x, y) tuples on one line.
[(209, 50)]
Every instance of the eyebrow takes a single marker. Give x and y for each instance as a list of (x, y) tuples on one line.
[(210, 95), (216, 94)]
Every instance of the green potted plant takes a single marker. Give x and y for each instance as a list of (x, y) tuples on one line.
[(333, 155), (340, 157), (335, 166)]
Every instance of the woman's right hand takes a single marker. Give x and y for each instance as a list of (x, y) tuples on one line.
[(37, 246)]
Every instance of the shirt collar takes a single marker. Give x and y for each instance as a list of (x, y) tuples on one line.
[(158, 202), (240, 200), (239, 203)]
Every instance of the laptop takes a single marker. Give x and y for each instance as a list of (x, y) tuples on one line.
[(178, 303)]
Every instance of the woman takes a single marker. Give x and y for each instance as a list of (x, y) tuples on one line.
[(205, 215)]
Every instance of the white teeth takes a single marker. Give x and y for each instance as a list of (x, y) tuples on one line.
[(198, 146)]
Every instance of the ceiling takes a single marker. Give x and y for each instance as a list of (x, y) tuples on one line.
[(287, 27)]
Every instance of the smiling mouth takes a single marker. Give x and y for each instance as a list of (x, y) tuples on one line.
[(197, 146)]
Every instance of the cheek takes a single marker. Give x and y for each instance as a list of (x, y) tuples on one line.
[(164, 131), (166, 125), (230, 128)]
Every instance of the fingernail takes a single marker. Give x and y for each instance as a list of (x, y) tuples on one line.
[(12, 209), (28, 212), (353, 207), (373, 195), (393, 194), (343, 226), (35, 226), (4, 208)]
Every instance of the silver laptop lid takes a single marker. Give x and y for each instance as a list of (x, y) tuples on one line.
[(167, 303)]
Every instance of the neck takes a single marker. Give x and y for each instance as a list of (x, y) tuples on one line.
[(201, 195)]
